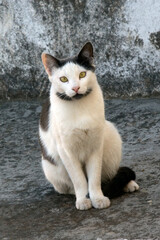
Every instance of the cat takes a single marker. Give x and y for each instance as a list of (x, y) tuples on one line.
[(81, 151)]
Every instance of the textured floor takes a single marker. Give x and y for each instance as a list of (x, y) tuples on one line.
[(30, 209)]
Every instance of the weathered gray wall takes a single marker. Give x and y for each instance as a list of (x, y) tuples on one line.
[(125, 34)]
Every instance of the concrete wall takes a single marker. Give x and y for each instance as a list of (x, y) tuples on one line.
[(125, 35)]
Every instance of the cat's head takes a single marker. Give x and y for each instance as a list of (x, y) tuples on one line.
[(71, 78)]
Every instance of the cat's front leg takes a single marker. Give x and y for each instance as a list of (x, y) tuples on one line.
[(78, 179), (93, 167)]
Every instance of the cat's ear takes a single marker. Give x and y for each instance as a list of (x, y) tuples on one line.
[(50, 63), (87, 52)]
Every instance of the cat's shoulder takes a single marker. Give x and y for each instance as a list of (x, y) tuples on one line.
[(44, 117)]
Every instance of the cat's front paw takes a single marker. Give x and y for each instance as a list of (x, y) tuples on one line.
[(132, 186), (101, 202), (83, 204)]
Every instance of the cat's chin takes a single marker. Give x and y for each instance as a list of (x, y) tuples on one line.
[(77, 96)]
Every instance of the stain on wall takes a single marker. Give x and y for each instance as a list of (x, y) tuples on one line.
[(125, 35), (155, 39)]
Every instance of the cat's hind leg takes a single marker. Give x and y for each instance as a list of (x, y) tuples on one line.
[(132, 186), (57, 175)]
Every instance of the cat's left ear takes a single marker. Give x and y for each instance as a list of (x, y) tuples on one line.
[(87, 52), (50, 63)]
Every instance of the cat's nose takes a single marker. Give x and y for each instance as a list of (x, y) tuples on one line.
[(75, 89)]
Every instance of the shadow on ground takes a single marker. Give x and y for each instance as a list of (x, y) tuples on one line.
[(30, 209)]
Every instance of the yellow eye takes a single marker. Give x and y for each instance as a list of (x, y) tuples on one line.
[(82, 74), (64, 79)]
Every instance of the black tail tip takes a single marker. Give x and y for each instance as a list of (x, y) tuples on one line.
[(127, 173), (115, 187)]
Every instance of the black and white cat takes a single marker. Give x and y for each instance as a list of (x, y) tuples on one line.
[(81, 151)]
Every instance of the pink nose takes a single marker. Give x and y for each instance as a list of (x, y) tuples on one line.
[(76, 89)]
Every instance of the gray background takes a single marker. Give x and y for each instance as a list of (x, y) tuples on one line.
[(125, 35), (31, 210)]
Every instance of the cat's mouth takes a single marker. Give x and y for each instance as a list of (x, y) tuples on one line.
[(77, 96)]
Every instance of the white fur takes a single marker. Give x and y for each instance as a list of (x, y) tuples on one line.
[(79, 139), (132, 186)]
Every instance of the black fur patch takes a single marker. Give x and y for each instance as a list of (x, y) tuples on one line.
[(115, 187), (44, 118), (44, 153), (63, 96), (82, 61)]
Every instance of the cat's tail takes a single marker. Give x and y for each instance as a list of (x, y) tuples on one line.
[(118, 185)]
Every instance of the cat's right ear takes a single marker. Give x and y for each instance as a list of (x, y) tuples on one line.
[(50, 63)]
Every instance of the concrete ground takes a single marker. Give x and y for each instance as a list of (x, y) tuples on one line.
[(29, 207)]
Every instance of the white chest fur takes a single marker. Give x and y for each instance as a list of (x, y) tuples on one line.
[(78, 124)]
